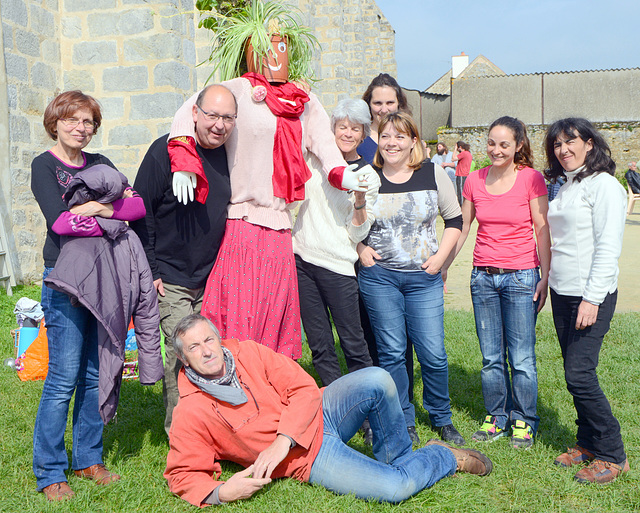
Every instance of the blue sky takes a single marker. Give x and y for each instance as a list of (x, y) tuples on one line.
[(519, 36)]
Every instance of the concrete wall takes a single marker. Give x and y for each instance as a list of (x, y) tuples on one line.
[(430, 112), (623, 139), (601, 96), (139, 59), (479, 101)]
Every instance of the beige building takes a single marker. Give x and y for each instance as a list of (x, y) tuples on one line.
[(140, 59)]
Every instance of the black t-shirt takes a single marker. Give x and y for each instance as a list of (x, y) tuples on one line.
[(181, 241), (49, 179)]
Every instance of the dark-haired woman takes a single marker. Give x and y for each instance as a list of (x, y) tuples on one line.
[(400, 281), (509, 278), (383, 96), (587, 222), (71, 119)]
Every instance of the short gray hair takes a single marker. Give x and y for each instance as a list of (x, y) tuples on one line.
[(184, 325), (356, 111)]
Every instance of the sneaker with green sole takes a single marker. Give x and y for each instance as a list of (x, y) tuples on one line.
[(521, 435), (489, 431)]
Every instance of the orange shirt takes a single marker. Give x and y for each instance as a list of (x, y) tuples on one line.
[(206, 431)]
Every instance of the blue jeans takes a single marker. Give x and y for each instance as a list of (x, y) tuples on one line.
[(506, 316), (410, 302), (73, 366), (397, 472)]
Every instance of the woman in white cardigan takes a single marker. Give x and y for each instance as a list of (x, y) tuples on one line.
[(586, 220), (329, 225)]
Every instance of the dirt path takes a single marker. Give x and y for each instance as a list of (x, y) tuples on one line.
[(459, 298)]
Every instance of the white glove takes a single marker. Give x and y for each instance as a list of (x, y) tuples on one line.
[(184, 183), (356, 180)]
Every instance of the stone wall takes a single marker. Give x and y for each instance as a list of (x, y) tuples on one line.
[(623, 139), (32, 73), (139, 59)]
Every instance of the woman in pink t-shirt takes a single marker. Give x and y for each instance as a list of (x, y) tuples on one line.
[(509, 278)]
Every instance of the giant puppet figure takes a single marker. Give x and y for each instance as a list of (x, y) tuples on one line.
[(252, 291)]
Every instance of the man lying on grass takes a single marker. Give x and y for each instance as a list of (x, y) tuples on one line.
[(242, 402)]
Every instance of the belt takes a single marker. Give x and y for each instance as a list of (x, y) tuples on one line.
[(494, 270)]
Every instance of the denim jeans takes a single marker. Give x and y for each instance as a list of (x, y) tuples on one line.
[(401, 303), (506, 316), (397, 472), (73, 366), (598, 429)]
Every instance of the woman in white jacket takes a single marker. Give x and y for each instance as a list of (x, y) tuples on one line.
[(586, 220)]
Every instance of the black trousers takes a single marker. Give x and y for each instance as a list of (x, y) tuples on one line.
[(322, 291), (598, 429)]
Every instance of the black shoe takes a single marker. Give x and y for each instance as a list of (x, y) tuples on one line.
[(415, 439), (367, 433), (450, 434)]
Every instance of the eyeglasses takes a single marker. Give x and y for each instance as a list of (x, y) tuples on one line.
[(243, 422), (213, 117), (72, 123)]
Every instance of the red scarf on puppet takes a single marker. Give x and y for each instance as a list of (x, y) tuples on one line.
[(290, 171)]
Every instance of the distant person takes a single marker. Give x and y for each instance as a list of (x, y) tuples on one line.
[(587, 224), (463, 157), (509, 279), (427, 151), (633, 178), (444, 158)]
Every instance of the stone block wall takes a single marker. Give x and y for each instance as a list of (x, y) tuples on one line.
[(139, 59), (30, 75)]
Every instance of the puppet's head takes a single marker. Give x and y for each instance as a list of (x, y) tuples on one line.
[(267, 36)]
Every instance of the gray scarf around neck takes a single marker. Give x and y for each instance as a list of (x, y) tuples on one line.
[(226, 388)]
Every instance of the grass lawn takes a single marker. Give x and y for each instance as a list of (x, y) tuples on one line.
[(136, 447)]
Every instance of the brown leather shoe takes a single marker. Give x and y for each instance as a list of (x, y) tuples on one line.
[(574, 456), (468, 460), (97, 473), (602, 472), (58, 492)]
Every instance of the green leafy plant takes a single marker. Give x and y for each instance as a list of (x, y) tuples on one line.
[(234, 23)]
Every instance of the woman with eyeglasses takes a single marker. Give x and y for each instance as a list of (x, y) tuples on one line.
[(71, 120)]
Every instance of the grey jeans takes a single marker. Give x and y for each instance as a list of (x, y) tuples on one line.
[(178, 302)]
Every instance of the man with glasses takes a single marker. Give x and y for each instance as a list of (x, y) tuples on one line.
[(181, 238), (243, 402)]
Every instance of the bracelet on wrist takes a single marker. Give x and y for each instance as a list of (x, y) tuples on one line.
[(360, 207)]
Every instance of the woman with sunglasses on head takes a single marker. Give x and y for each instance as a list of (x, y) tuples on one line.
[(71, 119), (509, 200), (400, 281), (587, 220)]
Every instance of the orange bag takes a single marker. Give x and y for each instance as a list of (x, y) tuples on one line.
[(34, 363)]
